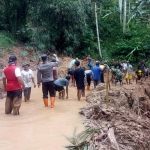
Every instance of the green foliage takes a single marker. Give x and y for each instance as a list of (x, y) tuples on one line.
[(24, 54), (68, 27), (6, 40), (15, 14), (79, 142)]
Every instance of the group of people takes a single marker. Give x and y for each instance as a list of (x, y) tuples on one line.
[(83, 76), (16, 81), (125, 70)]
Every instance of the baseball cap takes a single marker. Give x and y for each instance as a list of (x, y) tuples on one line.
[(44, 56), (97, 62), (12, 59), (25, 64)]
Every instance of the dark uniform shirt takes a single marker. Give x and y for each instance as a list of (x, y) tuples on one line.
[(79, 77)]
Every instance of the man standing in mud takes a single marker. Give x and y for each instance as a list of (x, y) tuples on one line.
[(28, 78), (79, 78), (142, 66), (13, 84), (45, 75)]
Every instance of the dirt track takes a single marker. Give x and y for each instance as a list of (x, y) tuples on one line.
[(40, 128)]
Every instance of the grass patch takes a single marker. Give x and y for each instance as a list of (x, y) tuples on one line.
[(1, 66), (6, 40), (2, 55), (10, 51)]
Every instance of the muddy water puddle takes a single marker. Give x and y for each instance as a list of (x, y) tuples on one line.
[(40, 128)]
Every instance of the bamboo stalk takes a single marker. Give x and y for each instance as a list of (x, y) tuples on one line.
[(120, 8), (124, 15), (99, 48)]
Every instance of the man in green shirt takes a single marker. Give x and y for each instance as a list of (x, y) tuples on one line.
[(117, 74)]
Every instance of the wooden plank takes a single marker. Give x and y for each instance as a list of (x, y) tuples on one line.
[(107, 90)]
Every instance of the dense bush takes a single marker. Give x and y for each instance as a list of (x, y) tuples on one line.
[(68, 27)]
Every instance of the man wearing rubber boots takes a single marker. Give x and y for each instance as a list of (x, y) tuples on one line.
[(13, 84), (45, 75)]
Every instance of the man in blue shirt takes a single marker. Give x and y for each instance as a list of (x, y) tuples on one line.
[(90, 64), (96, 74)]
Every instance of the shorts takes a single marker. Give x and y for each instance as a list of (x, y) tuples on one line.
[(146, 74), (59, 88), (139, 77), (96, 82), (13, 102), (128, 76), (81, 88), (72, 76), (48, 87), (118, 78), (27, 91), (89, 78)]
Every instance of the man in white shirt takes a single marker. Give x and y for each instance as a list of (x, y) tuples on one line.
[(28, 77), (72, 63), (128, 73), (124, 66)]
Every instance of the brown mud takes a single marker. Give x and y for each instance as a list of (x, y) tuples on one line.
[(38, 127), (125, 123)]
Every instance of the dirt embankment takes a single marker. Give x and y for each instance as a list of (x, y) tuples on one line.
[(33, 59), (125, 124)]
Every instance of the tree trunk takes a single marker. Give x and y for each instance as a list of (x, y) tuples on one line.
[(124, 16), (120, 8), (100, 53)]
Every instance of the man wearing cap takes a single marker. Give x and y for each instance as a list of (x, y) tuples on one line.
[(45, 75), (27, 76), (13, 84)]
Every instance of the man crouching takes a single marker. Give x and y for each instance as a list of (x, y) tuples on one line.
[(59, 86)]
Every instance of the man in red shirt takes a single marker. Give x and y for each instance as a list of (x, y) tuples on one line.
[(13, 84)]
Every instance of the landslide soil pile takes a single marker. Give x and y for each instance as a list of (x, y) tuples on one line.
[(124, 125), (33, 59), (18, 51)]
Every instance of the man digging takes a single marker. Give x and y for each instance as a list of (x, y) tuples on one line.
[(59, 86)]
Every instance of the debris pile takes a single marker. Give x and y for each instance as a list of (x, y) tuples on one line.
[(125, 124)]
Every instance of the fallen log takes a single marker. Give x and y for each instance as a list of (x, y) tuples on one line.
[(112, 138)]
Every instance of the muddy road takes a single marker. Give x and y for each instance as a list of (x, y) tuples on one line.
[(40, 128)]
